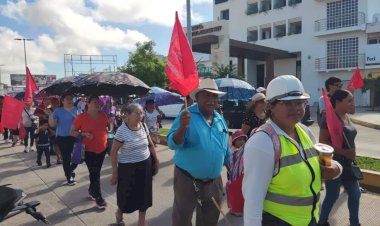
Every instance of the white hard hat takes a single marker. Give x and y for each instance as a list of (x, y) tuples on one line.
[(286, 87), (208, 85)]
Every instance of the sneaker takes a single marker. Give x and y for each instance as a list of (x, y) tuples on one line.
[(100, 203), (363, 190), (71, 182), (31, 149), (26, 150), (91, 196), (39, 163)]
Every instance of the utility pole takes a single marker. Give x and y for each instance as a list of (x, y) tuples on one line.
[(1, 65), (189, 35), (24, 39)]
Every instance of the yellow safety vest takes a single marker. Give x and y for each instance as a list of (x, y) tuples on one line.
[(293, 194)]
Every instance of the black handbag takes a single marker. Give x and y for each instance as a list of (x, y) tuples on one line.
[(34, 124), (355, 169)]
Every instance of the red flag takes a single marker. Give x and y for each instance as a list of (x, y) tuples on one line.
[(334, 125), (11, 113), (180, 66), (356, 81), (30, 88)]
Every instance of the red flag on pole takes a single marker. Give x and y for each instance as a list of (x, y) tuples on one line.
[(334, 125), (30, 88), (356, 81), (180, 66), (11, 113)]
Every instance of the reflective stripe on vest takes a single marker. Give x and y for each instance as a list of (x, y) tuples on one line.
[(296, 158), (293, 194), (290, 200)]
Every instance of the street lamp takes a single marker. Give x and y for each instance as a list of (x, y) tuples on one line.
[(24, 39), (1, 65)]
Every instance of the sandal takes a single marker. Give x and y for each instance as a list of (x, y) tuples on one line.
[(119, 220)]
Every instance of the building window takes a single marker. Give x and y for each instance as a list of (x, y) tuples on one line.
[(342, 53), (298, 69), (295, 28), (252, 36), (266, 33), (279, 31), (266, 5), (252, 8), (279, 4), (225, 14), (373, 40), (220, 1), (294, 2), (342, 14)]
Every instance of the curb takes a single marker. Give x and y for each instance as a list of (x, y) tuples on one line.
[(366, 124)]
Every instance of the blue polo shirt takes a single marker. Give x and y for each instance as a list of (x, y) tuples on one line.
[(205, 148), (65, 120)]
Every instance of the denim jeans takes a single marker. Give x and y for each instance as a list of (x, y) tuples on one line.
[(332, 194), (29, 134)]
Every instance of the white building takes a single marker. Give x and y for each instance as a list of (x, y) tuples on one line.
[(323, 38)]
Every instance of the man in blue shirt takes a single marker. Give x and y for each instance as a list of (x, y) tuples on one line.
[(199, 137)]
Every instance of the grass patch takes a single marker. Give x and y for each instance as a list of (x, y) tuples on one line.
[(368, 163), (164, 131)]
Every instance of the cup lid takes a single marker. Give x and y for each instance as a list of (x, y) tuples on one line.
[(324, 148)]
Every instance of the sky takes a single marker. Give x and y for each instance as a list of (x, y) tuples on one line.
[(85, 27)]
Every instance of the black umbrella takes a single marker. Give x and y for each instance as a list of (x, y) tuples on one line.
[(61, 85), (110, 83)]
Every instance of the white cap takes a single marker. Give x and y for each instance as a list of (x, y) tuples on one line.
[(257, 97), (208, 85), (260, 89), (286, 87)]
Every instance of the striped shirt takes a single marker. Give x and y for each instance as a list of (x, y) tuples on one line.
[(135, 144)]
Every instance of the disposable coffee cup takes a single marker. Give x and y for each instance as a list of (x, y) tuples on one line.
[(325, 153)]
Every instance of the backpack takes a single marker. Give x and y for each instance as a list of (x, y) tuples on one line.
[(236, 167)]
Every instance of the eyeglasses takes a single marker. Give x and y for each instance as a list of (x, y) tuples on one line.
[(293, 103), (339, 85)]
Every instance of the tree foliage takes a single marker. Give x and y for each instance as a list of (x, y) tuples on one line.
[(373, 85), (224, 71), (146, 65)]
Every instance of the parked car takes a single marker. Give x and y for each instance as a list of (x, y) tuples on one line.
[(172, 110)]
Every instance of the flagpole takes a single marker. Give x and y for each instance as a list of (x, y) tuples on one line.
[(189, 35)]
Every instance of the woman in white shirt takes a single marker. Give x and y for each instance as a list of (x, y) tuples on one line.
[(29, 121), (283, 190), (134, 162)]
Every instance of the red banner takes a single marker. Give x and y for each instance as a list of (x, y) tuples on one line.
[(11, 113), (356, 81), (180, 66), (334, 125), (30, 88)]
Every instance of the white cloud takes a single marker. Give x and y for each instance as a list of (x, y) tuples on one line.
[(160, 12), (72, 30), (80, 27)]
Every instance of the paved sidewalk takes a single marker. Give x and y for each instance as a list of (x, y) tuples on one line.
[(65, 205), (366, 117)]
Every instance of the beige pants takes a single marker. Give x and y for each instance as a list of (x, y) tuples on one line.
[(185, 200)]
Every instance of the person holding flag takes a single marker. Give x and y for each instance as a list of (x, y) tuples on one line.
[(199, 136), (331, 85), (198, 160), (337, 130)]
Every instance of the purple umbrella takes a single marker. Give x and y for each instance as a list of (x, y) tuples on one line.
[(161, 97)]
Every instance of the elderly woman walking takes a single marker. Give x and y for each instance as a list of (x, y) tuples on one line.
[(255, 115), (134, 162)]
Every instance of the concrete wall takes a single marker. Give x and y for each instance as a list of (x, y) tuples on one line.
[(308, 44)]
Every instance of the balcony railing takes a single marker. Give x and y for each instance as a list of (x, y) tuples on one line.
[(339, 62), (339, 22), (220, 1)]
